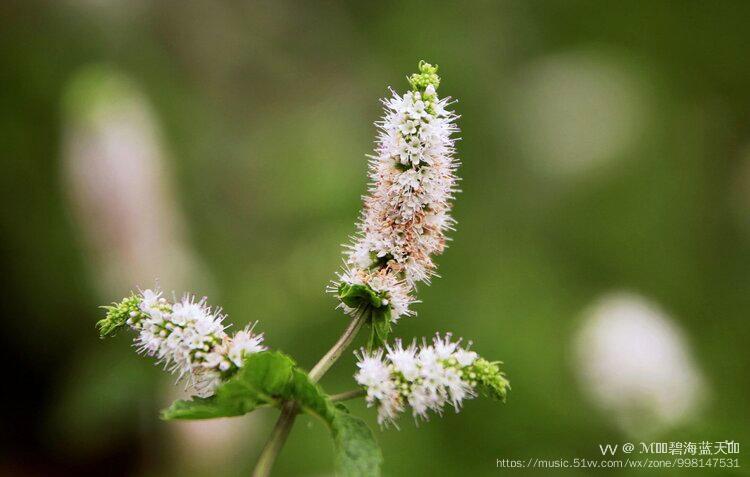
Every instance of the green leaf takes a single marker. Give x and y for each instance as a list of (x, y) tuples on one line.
[(196, 408), (380, 321), (357, 453), (366, 299), (355, 296), (264, 380), (270, 378)]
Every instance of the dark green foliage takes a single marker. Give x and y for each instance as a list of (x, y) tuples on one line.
[(355, 296), (365, 298)]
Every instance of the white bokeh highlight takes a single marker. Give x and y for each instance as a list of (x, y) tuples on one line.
[(121, 194), (578, 111), (634, 363)]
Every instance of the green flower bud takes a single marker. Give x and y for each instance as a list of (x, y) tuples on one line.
[(490, 380), (427, 76), (119, 315)]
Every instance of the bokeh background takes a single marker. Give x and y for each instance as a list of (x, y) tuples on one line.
[(602, 250)]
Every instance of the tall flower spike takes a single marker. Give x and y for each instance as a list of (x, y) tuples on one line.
[(407, 210), (187, 337), (426, 378)]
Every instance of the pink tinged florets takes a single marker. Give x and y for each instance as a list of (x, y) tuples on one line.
[(188, 338), (407, 211)]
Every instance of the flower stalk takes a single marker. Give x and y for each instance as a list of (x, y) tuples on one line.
[(276, 441), (290, 410), (402, 226), (347, 395)]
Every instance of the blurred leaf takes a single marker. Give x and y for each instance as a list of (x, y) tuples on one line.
[(357, 453), (101, 393)]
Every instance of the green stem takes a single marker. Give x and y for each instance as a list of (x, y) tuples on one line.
[(345, 396), (290, 409), (276, 440), (337, 349)]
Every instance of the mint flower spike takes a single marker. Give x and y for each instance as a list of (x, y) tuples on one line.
[(407, 209), (426, 378), (186, 336)]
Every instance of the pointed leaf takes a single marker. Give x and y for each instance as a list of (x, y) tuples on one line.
[(357, 452), (264, 380), (270, 378)]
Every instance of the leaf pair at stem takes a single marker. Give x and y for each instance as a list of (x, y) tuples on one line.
[(272, 379), (376, 307)]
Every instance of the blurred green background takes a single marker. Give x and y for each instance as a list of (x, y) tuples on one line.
[(220, 147)]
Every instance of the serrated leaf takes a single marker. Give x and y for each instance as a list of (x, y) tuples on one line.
[(311, 398), (196, 408), (264, 380), (355, 296), (270, 378), (357, 452), (380, 321)]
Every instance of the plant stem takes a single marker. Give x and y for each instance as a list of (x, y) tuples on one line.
[(276, 440), (335, 352), (290, 410), (345, 396)]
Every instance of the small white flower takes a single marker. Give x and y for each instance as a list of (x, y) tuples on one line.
[(404, 360), (213, 359), (390, 406), (419, 401), (444, 348), (375, 376), (372, 370), (464, 357), (458, 390), (150, 300), (244, 343), (426, 378)]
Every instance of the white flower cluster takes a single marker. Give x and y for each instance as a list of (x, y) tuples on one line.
[(188, 337), (425, 377), (406, 214)]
